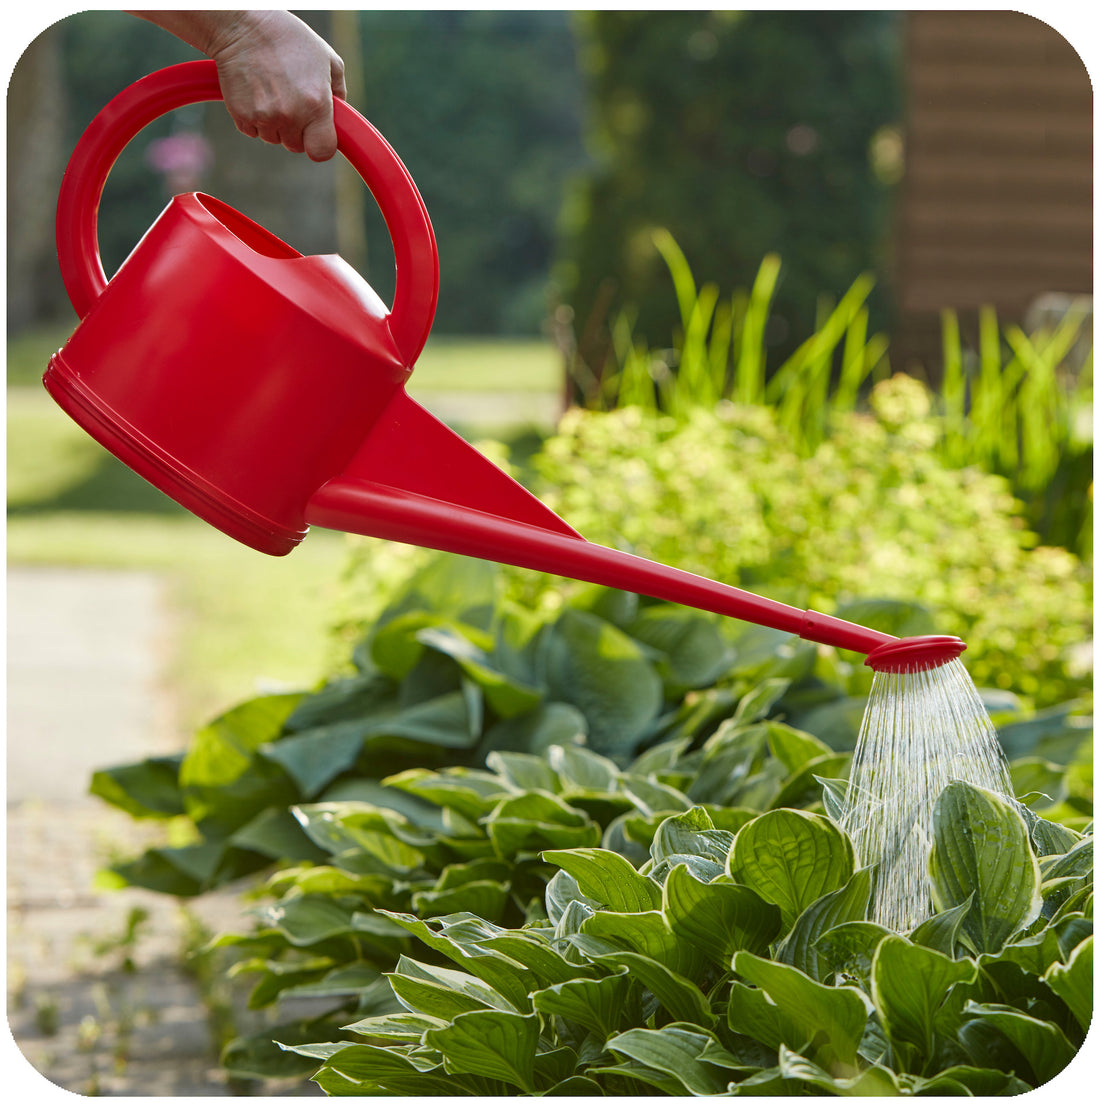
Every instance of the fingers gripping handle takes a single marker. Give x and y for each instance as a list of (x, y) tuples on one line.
[(406, 217)]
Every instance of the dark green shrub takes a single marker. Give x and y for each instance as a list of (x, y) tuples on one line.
[(743, 133)]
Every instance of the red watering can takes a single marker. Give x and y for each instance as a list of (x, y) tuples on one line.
[(264, 390)]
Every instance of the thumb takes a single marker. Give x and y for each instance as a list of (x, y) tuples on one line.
[(319, 137)]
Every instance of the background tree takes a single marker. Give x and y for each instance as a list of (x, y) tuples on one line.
[(741, 133)]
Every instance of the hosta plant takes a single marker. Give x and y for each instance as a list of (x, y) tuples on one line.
[(429, 843), (434, 842), (738, 960)]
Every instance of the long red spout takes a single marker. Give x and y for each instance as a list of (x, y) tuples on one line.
[(377, 510)]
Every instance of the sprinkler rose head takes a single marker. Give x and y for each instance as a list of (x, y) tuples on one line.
[(915, 654)]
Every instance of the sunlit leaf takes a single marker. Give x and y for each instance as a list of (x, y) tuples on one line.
[(791, 858), (981, 847)]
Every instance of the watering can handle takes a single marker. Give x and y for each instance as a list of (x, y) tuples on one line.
[(415, 254)]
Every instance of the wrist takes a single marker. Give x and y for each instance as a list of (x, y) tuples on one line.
[(209, 32)]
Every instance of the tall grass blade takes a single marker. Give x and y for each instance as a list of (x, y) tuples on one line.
[(989, 397), (953, 391), (682, 280), (751, 357)]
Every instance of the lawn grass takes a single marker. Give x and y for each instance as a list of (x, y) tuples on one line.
[(241, 619)]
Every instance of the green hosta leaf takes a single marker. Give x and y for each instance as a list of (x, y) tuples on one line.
[(580, 768), (476, 993), (348, 980), (1038, 951), (1075, 863), (277, 834), (693, 651), (306, 919), (801, 788), (963, 1081), (387, 1069), (648, 935), (532, 949), (524, 771), (849, 903), (701, 868), (731, 756), (793, 748), (661, 758), (486, 899), (479, 870), (576, 1086), (1072, 982), (680, 997), (757, 702), (490, 1043), (675, 1051), (834, 795), (824, 1022), (277, 976), (691, 833), (909, 984), (224, 784), (980, 847), (718, 918), (652, 797), (314, 758), (554, 1065), (1065, 875), (149, 788), (416, 811), (535, 820), (431, 999), (507, 696), (401, 1028), (561, 890), (450, 720), (345, 699), (342, 827), (1050, 838), (846, 952), (873, 1082), (1041, 1044), (267, 1055), (590, 664), (597, 1003), (550, 724), (791, 858), (333, 881), (453, 939), (608, 878), (468, 792), (182, 872), (941, 931)]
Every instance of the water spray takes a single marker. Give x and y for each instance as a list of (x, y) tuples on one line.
[(924, 726)]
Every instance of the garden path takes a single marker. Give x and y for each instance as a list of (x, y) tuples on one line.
[(86, 652)]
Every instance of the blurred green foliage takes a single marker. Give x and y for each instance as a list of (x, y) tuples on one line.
[(742, 133), (873, 511), (484, 108)]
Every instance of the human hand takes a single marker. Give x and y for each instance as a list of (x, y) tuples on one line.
[(277, 77), (278, 80)]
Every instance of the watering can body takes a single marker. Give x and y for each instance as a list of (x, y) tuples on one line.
[(264, 390), (237, 375)]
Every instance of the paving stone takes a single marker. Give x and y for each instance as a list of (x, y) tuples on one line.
[(90, 1013)]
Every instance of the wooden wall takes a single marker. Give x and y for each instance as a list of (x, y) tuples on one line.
[(996, 205)]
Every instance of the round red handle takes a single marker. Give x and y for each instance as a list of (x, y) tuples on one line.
[(415, 254)]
